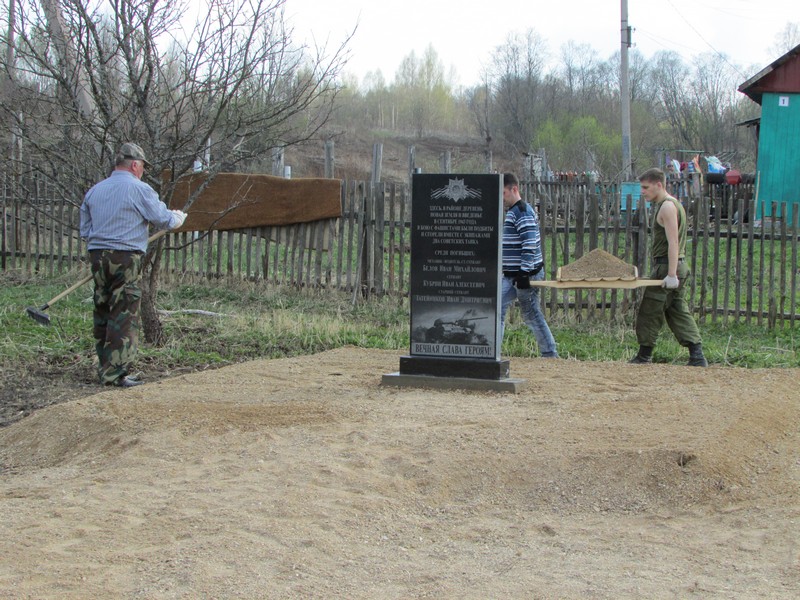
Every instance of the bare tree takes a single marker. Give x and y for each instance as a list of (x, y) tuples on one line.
[(583, 74), (671, 79), (518, 72), (714, 87), (480, 102), (425, 91), (787, 39), (376, 98), (700, 103), (90, 75)]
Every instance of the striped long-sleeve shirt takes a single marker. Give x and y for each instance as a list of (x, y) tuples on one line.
[(116, 212), (522, 241)]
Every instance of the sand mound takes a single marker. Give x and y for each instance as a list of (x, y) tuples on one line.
[(304, 477), (597, 265)]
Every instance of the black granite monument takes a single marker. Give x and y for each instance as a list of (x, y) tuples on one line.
[(456, 259)]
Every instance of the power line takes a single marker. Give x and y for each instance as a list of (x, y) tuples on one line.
[(700, 35), (664, 42)]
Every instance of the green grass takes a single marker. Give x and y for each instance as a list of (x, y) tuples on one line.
[(252, 323), (728, 345), (262, 322)]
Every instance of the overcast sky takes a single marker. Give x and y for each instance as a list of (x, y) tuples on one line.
[(464, 33)]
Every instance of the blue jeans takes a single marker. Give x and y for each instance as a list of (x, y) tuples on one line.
[(531, 313)]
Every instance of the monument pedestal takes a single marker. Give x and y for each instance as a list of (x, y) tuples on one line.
[(454, 367), (453, 373)]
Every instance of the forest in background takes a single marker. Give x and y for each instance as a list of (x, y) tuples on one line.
[(82, 76), (565, 106)]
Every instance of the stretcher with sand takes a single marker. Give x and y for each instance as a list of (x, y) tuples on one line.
[(597, 269)]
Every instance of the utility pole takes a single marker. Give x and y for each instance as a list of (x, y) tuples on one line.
[(11, 77), (625, 93)]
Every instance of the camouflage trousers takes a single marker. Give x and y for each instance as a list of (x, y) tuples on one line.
[(660, 306), (117, 297)]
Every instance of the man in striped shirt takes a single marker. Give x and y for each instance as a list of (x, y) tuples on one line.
[(522, 261), (115, 218)]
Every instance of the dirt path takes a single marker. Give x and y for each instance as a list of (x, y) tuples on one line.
[(305, 478)]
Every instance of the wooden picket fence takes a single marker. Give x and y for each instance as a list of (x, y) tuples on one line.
[(744, 271)]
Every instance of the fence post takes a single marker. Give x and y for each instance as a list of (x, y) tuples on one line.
[(361, 285), (378, 245), (412, 166), (329, 162), (640, 235), (4, 232), (277, 162), (377, 159), (446, 162)]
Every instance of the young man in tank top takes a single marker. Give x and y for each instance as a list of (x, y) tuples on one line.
[(668, 252)]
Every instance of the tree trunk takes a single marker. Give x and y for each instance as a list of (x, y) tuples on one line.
[(151, 325)]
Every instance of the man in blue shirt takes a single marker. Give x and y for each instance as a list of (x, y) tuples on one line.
[(115, 218), (522, 261)]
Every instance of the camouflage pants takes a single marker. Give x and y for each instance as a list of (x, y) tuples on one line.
[(117, 297), (660, 306)]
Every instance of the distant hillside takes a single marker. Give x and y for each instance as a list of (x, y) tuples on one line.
[(353, 155)]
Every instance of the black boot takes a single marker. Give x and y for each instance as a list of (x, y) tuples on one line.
[(643, 357), (696, 358)]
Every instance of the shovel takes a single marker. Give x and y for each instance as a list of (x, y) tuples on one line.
[(38, 314)]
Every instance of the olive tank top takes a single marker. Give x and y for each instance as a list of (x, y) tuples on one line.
[(660, 246)]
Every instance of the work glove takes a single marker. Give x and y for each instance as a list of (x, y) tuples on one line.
[(670, 282), (178, 218), (522, 281)]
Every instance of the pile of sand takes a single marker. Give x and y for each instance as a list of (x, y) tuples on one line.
[(597, 265)]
